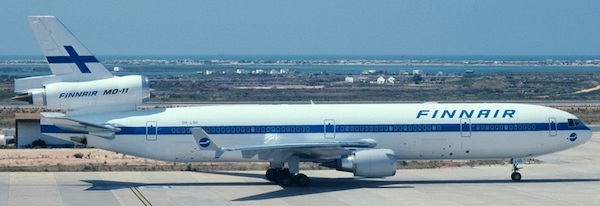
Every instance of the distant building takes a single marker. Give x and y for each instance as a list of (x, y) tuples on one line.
[(381, 80), (242, 71), (27, 130), (370, 71), (417, 72), (284, 71), (391, 80), (258, 71), (349, 79), (274, 72), (363, 79)]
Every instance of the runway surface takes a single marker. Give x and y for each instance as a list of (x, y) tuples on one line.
[(570, 177)]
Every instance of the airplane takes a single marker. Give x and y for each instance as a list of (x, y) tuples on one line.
[(365, 139)]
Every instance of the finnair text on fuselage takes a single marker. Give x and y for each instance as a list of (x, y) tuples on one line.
[(484, 113)]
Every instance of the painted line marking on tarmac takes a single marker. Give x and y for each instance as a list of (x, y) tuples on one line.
[(140, 196)]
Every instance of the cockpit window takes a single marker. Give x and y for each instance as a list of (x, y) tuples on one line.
[(574, 122)]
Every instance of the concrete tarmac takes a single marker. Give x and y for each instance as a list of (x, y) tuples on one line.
[(571, 177)]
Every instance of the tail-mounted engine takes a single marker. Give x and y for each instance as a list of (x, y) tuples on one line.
[(112, 93)]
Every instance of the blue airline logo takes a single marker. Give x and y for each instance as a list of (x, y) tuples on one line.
[(573, 137), (449, 114), (204, 142), (73, 58)]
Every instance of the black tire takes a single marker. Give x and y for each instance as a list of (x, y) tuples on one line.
[(270, 174), (515, 176), (284, 180), (301, 180)]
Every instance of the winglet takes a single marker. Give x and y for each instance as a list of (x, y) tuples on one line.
[(205, 143)]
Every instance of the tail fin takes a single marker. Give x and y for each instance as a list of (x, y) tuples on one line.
[(79, 83), (66, 56)]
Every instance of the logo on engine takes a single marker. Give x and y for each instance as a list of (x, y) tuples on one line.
[(77, 94), (573, 137), (204, 142)]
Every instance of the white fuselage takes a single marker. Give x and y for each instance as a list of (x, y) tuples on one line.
[(412, 131)]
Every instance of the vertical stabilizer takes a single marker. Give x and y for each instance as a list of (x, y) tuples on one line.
[(66, 56)]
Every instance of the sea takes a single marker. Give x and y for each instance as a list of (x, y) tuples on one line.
[(23, 68)]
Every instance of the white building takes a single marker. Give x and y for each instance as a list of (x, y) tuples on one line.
[(274, 72), (349, 79), (381, 80), (391, 80), (284, 71), (258, 71), (242, 71), (370, 71)]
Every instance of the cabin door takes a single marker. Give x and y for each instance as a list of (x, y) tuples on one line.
[(329, 128), (151, 130), (465, 127), (553, 126)]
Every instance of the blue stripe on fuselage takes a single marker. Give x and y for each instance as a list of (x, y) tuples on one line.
[(292, 129)]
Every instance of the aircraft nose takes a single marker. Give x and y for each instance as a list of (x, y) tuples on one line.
[(587, 135), (583, 135)]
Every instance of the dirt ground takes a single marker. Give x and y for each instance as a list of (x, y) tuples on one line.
[(53, 160), (99, 160)]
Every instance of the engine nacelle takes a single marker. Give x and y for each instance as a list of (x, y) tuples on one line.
[(370, 163), (111, 92)]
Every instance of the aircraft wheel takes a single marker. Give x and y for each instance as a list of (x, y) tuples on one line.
[(301, 180), (270, 174), (284, 180), (515, 176)]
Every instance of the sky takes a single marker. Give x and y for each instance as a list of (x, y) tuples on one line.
[(313, 27)]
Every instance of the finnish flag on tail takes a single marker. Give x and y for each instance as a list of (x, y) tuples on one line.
[(66, 56)]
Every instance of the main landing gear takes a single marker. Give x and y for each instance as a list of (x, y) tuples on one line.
[(516, 176), (284, 178)]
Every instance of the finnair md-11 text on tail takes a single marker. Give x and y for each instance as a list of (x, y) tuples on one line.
[(366, 139)]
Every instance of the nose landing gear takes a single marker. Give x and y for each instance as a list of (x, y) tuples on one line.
[(516, 176)]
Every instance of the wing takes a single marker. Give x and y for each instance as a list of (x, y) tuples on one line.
[(278, 152), (67, 124)]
